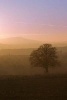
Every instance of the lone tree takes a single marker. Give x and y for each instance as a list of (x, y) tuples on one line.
[(45, 56)]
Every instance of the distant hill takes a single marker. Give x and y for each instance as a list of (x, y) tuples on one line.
[(18, 43), (17, 40), (23, 43)]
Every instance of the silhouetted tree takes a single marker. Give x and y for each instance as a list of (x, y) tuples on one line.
[(45, 56)]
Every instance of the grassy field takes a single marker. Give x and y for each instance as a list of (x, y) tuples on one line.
[(20, 65), (17, 65), (33, 87), (20, 81)]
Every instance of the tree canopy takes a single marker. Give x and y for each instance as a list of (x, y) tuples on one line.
[(45, 56)]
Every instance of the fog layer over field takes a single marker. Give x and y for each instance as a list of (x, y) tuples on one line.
[(16, 62)]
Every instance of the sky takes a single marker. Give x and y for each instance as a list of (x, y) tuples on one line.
[(44, 20)]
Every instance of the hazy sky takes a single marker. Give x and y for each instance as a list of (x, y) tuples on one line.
[(36, 19)]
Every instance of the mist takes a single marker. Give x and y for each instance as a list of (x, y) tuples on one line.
[(14, 60)]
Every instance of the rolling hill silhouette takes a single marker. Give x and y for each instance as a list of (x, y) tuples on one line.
[(18, 42)]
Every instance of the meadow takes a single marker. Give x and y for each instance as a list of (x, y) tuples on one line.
[(16, 62), (33, 87), (20, 81)]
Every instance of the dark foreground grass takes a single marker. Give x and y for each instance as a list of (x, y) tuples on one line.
[(33, 88)]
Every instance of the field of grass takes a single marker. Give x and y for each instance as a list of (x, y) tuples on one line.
[(17, 65), (20, 65), (33, 87), (20, 81)]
